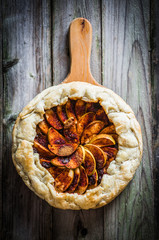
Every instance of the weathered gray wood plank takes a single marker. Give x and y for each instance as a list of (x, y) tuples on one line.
[(1, 118), (75, 224), (126, 70), (27, 71), (155, 104)]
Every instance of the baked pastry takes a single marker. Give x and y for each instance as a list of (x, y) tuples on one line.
[(77, 145)]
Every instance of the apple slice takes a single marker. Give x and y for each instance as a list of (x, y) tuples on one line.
[(110, 159), (112, 152), (93, 180), (115, 136), (89, 163), (52, 119), (44, 127), (60, 161), (55, 137), (80, 108), (84, 121), (58, 144), (72, 162), (83, 182), (91, 130), (98, 154), (101, 115), (77, 158), (108, 129), (61, 113), (70, 131), (64, 180), (75, 181), (92, 107), (63, 149), (41, 145), (103, 140), (55, 171), (70, 110)]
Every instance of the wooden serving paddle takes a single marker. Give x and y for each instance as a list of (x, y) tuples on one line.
[(80, 49)]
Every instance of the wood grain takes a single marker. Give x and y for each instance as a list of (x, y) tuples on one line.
[(1, 119), (27, 71), (126, 70), (155, 104)]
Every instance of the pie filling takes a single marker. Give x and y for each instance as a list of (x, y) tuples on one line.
[(76, 143)]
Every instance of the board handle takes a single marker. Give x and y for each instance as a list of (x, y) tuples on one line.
[(80, 49)]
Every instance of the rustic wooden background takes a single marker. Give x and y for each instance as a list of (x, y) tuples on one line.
[(125, 57)]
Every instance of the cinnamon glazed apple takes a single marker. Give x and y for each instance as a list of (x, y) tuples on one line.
[(76, 143)]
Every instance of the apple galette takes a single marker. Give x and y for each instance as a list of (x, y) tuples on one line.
[(77, 145)]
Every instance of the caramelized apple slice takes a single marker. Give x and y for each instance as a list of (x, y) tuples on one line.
[(91, 130), (70, 110), (110, 159), (44, 127), (115, 136), (89, 162), (58, 144), (103, 140), (108, 129), (112, 152), (75, 181), (98, 154), (52, 119), (60, 161), (64, 180), (101, 115), (70, 131), (77, 158), (92, 107), (63, 149), (84, 121), (55, 171), (61, 113), (93, 180), (83, 182), (55, 137), (80, 108), (72, 162), (41, 145)]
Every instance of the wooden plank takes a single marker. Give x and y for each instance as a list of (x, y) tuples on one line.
[(155, 105), (27, 71), (1, 118), (75, 224), (126, 70)]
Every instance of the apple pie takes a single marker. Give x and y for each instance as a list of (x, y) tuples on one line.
[(77, 145)]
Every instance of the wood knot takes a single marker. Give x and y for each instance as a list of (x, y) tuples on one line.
[(83, 24), (84, 232), (9, 63)]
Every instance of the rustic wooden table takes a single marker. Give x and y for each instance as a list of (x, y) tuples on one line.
[(34, 56)]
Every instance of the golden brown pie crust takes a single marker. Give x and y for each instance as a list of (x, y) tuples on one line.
[(120, 171)]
